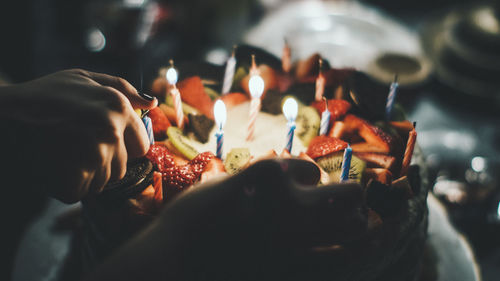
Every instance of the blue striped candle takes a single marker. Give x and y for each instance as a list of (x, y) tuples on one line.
[(391, 98), (149, 128), (219, 135), (346, 164), (289, 136)]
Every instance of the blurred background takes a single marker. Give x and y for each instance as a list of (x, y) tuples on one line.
[(446, 52)]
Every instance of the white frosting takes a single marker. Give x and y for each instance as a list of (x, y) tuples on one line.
[(270, 133)]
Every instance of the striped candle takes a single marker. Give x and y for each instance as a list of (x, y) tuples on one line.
[(229, 74), (410, 146), (391, 98), (254, 110), (179, 114), (171, 76), (290, 110), (219, 135), (289, 137), (346, 164), (286, 58), (325, 119), (220, 116), (320, 83), (256, 87), (149, 128)]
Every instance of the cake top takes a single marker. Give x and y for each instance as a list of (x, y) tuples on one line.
[(378, 146)]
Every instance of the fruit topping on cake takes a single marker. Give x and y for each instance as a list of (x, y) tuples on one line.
[(180, 143), (160, 123), (374, 138), (332, 164), (324, 145), (308, 122), (193, 93), (237, 160), (338, 108)]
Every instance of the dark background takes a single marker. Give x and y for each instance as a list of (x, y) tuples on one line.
[(39, 37)]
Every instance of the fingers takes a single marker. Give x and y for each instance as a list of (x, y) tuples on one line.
[(135, 137), (142, 101), (119, 162)]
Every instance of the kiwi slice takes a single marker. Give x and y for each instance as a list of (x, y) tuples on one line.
[(180, 142), (239, 74), (237, 159), (308, 122), (332, 164), (186, 108)]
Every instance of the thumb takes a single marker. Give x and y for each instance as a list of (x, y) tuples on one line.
[(138, 100)]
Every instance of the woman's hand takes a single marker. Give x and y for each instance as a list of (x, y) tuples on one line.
[(74, 130)]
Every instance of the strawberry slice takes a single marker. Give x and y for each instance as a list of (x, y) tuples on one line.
[(213, 169), (193, 93), (178, 178), (377, 160), (324, 145), (160, 156), (160, 123), (233, 99), (376, 140), (337, 108)]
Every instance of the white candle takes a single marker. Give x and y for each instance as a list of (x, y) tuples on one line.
[(286, 58), (176, 95), (220, 114), (256, 87), (290, 110), (320, 83), (325, 119), (229, 74)]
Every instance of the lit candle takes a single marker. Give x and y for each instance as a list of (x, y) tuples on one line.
[(391, 98), (290, 109), (176, 96), (410, 145), (253, 68), (220, 115), (229, 74), (320, 82), (149, 128), (256, 87), (286, 59), (346, 164), (325, 119)]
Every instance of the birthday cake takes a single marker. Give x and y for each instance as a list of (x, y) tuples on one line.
[(332, 121)]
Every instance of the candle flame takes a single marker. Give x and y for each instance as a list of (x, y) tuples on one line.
[(171, 75), (256, 86), (290, 109), (220, 114)]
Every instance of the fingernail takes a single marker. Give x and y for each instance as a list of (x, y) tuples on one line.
[(146, 96)]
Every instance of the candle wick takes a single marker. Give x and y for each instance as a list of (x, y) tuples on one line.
[(326, 103), (320, 65), (414, 125), (171, 61), (233, 53), (396, 78)]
